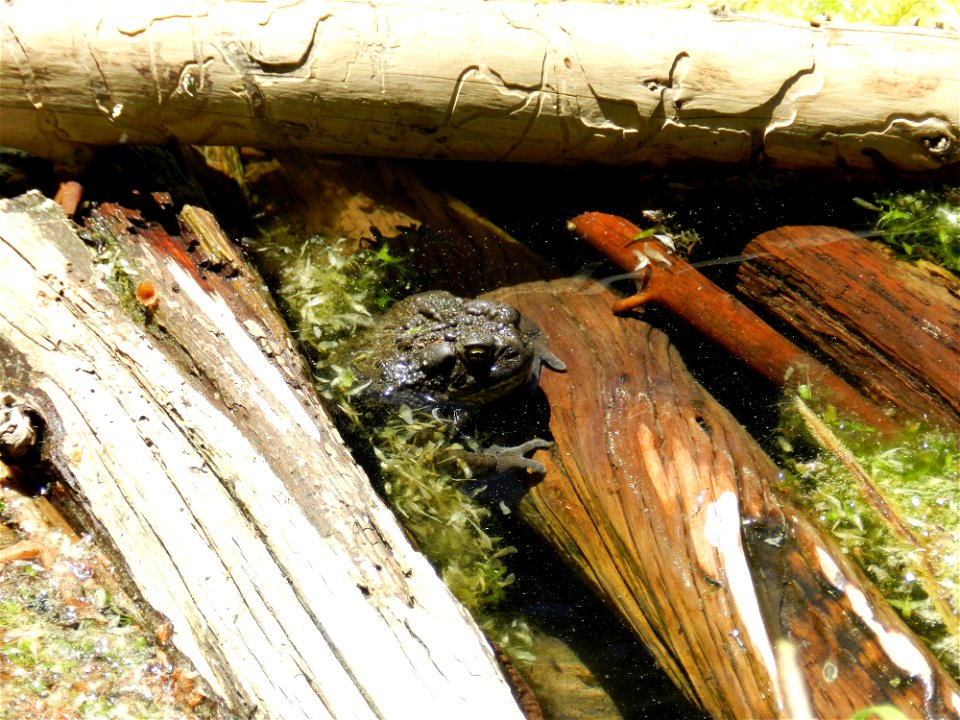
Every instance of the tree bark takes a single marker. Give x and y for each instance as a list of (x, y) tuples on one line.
[(559, 82), (193, 441), (890, 325)]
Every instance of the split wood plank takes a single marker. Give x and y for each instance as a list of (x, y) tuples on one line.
[(197, 449)]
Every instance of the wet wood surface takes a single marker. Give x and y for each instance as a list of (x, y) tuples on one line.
[(667, 507), (891, 325), (669, 510), (667, 280)]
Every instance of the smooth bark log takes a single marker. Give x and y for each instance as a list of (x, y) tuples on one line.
[(556, 82), (194, 442), (891, 325), (666, 506)]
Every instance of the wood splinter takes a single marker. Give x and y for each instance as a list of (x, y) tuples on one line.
[(668, 281)]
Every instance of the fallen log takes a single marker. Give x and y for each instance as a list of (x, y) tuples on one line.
[(643, 457), (188, 435), (668, 509), (556, 82), (890, 325)]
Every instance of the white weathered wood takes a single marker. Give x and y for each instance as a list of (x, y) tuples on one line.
[(289, 610), (562, 82)]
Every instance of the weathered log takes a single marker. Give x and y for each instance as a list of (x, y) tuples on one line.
[(195, 445), (556, 82), (890, 325), (667, 508)]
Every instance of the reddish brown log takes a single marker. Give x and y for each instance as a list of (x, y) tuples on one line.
[(68, 197), (665, 505), (669, 281), (892, 326)]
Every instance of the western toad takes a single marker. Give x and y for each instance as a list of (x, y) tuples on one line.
[(434, 348)]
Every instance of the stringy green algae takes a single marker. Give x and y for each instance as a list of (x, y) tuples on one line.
[(922, 225), (67, 650), (330, 291), (917, 475)]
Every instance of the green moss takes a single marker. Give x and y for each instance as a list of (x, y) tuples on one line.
[(922, 225), (879, 712), (424, 484), (878, 12), (894, 507), (119, 271), (66, 651), (331, 290)]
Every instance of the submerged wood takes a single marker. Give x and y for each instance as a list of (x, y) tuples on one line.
[(635, 475), (195, 446), (892, 326), (668, 508), (519, 81)]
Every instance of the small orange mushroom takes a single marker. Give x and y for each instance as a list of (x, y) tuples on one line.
[(147, 295)]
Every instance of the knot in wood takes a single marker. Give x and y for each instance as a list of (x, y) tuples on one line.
[(938, 146)]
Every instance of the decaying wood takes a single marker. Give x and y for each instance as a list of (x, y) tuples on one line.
[(358, 198), (892, 326), (668, 280), (665, 505), (196, 446), (643, 458), (555, 82)]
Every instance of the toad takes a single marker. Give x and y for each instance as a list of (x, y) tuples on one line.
[(435, 349)]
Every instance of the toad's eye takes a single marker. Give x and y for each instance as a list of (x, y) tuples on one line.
[(477, 354)]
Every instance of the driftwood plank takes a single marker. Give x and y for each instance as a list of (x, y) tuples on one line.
[(891, 325), (197, 449), (548, 82)]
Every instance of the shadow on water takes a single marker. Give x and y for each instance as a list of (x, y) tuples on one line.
[(553, 600)]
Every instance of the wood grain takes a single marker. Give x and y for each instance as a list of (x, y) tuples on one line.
[(518, 81), (192, 441), (666, 506), (890, 325)]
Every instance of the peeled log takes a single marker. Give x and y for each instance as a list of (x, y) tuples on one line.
[(668, 509), (556, 82), (889, 324), (196, 447)]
